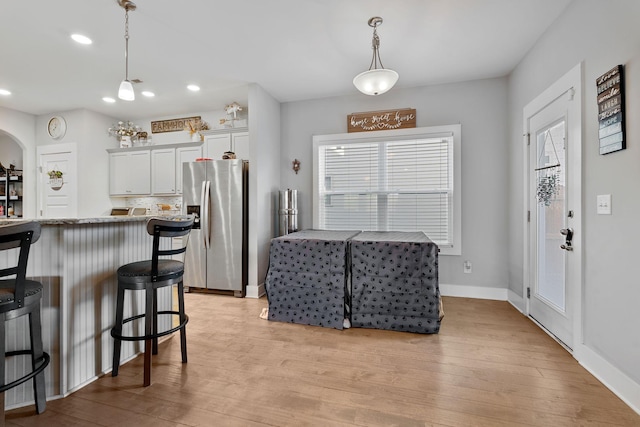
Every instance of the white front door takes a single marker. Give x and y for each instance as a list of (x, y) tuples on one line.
[(552, 125), (57, 197)]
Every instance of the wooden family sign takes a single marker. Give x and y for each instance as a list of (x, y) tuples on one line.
[(611, 111), (381, 120), (173, 125)]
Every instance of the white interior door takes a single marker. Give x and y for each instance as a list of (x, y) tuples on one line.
[(57, 199), (554, 205)]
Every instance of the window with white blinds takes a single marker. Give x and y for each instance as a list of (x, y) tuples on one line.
[(399, 181)]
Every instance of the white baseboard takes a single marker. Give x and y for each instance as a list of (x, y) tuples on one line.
[(255, 291), (614, 379), (516, 301), (478, 292)]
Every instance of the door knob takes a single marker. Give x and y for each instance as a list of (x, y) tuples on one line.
[(568, 233)]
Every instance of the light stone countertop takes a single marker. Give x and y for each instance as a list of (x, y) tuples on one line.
[(78, 221)]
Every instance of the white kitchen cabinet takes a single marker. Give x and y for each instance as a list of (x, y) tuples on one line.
[(163, 171), (240, 144), (130, 173), (185, 155), (219, 141), (157, 170), (215, 145)]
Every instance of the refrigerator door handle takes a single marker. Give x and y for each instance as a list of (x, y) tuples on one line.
[(205, 200)]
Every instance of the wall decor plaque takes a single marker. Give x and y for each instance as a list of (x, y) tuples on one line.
[(381, 120), (174, 125), (611, 133)]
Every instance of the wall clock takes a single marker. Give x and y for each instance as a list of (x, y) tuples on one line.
[(57, 127)]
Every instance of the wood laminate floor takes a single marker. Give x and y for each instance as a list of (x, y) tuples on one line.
[(488, 366)]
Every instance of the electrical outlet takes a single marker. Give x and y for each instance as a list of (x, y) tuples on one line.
[(467, 267)]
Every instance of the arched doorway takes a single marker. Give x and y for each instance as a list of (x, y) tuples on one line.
[(12, 159)]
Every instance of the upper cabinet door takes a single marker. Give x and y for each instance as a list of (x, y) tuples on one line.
[(240, 144), (215, 145), (185, 155), (163, 171), (118, 174), (130, 173), (139, 173)]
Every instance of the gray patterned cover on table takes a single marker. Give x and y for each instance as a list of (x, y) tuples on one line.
[(395, 282), (307, 280)]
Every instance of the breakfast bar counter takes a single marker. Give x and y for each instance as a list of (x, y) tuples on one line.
[(76, 260), (78, 221)]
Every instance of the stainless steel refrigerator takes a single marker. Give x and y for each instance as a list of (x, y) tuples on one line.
[(216, 192)]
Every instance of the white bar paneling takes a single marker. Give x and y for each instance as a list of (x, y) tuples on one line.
[(77, 265)]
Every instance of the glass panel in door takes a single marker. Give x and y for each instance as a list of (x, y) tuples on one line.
[(551, 214)]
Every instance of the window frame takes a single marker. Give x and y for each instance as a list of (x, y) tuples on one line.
[(454, 131)]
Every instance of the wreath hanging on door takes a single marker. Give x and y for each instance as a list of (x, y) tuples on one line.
[(547, 187), (55, 179), (548, 176)]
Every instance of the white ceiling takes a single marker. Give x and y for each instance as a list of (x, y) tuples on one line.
[(294, 49)]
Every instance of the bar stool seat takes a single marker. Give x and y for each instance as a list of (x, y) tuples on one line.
[(140, 273), (149, 276), (32, 291), (20, 296)]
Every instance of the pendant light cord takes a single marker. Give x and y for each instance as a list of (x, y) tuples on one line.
[(126, 43)]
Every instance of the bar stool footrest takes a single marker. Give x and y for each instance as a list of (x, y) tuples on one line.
[(152, 336), (44, 362)]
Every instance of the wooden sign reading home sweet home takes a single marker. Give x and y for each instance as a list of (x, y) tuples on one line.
[(381, 120)]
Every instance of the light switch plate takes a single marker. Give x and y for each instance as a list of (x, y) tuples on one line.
[(604, 204)]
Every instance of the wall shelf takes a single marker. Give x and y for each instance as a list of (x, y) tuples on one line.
[(11, 193)]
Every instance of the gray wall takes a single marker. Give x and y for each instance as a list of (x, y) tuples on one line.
[(264, 181), (480, 106), (89, 131), (611, 292)]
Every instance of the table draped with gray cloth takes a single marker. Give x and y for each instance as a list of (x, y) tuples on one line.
[(394, 282), (383, 280), (308, 278)]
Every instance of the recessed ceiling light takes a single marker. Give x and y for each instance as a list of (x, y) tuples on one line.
[(81, 39), (193, 88), (108, 99), (148, 93), (4, 92)]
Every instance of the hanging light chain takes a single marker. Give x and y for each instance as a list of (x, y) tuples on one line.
[(375, 45), (126, 43)]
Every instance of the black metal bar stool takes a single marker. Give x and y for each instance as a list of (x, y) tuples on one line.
[(18, 297), (150, 275)]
